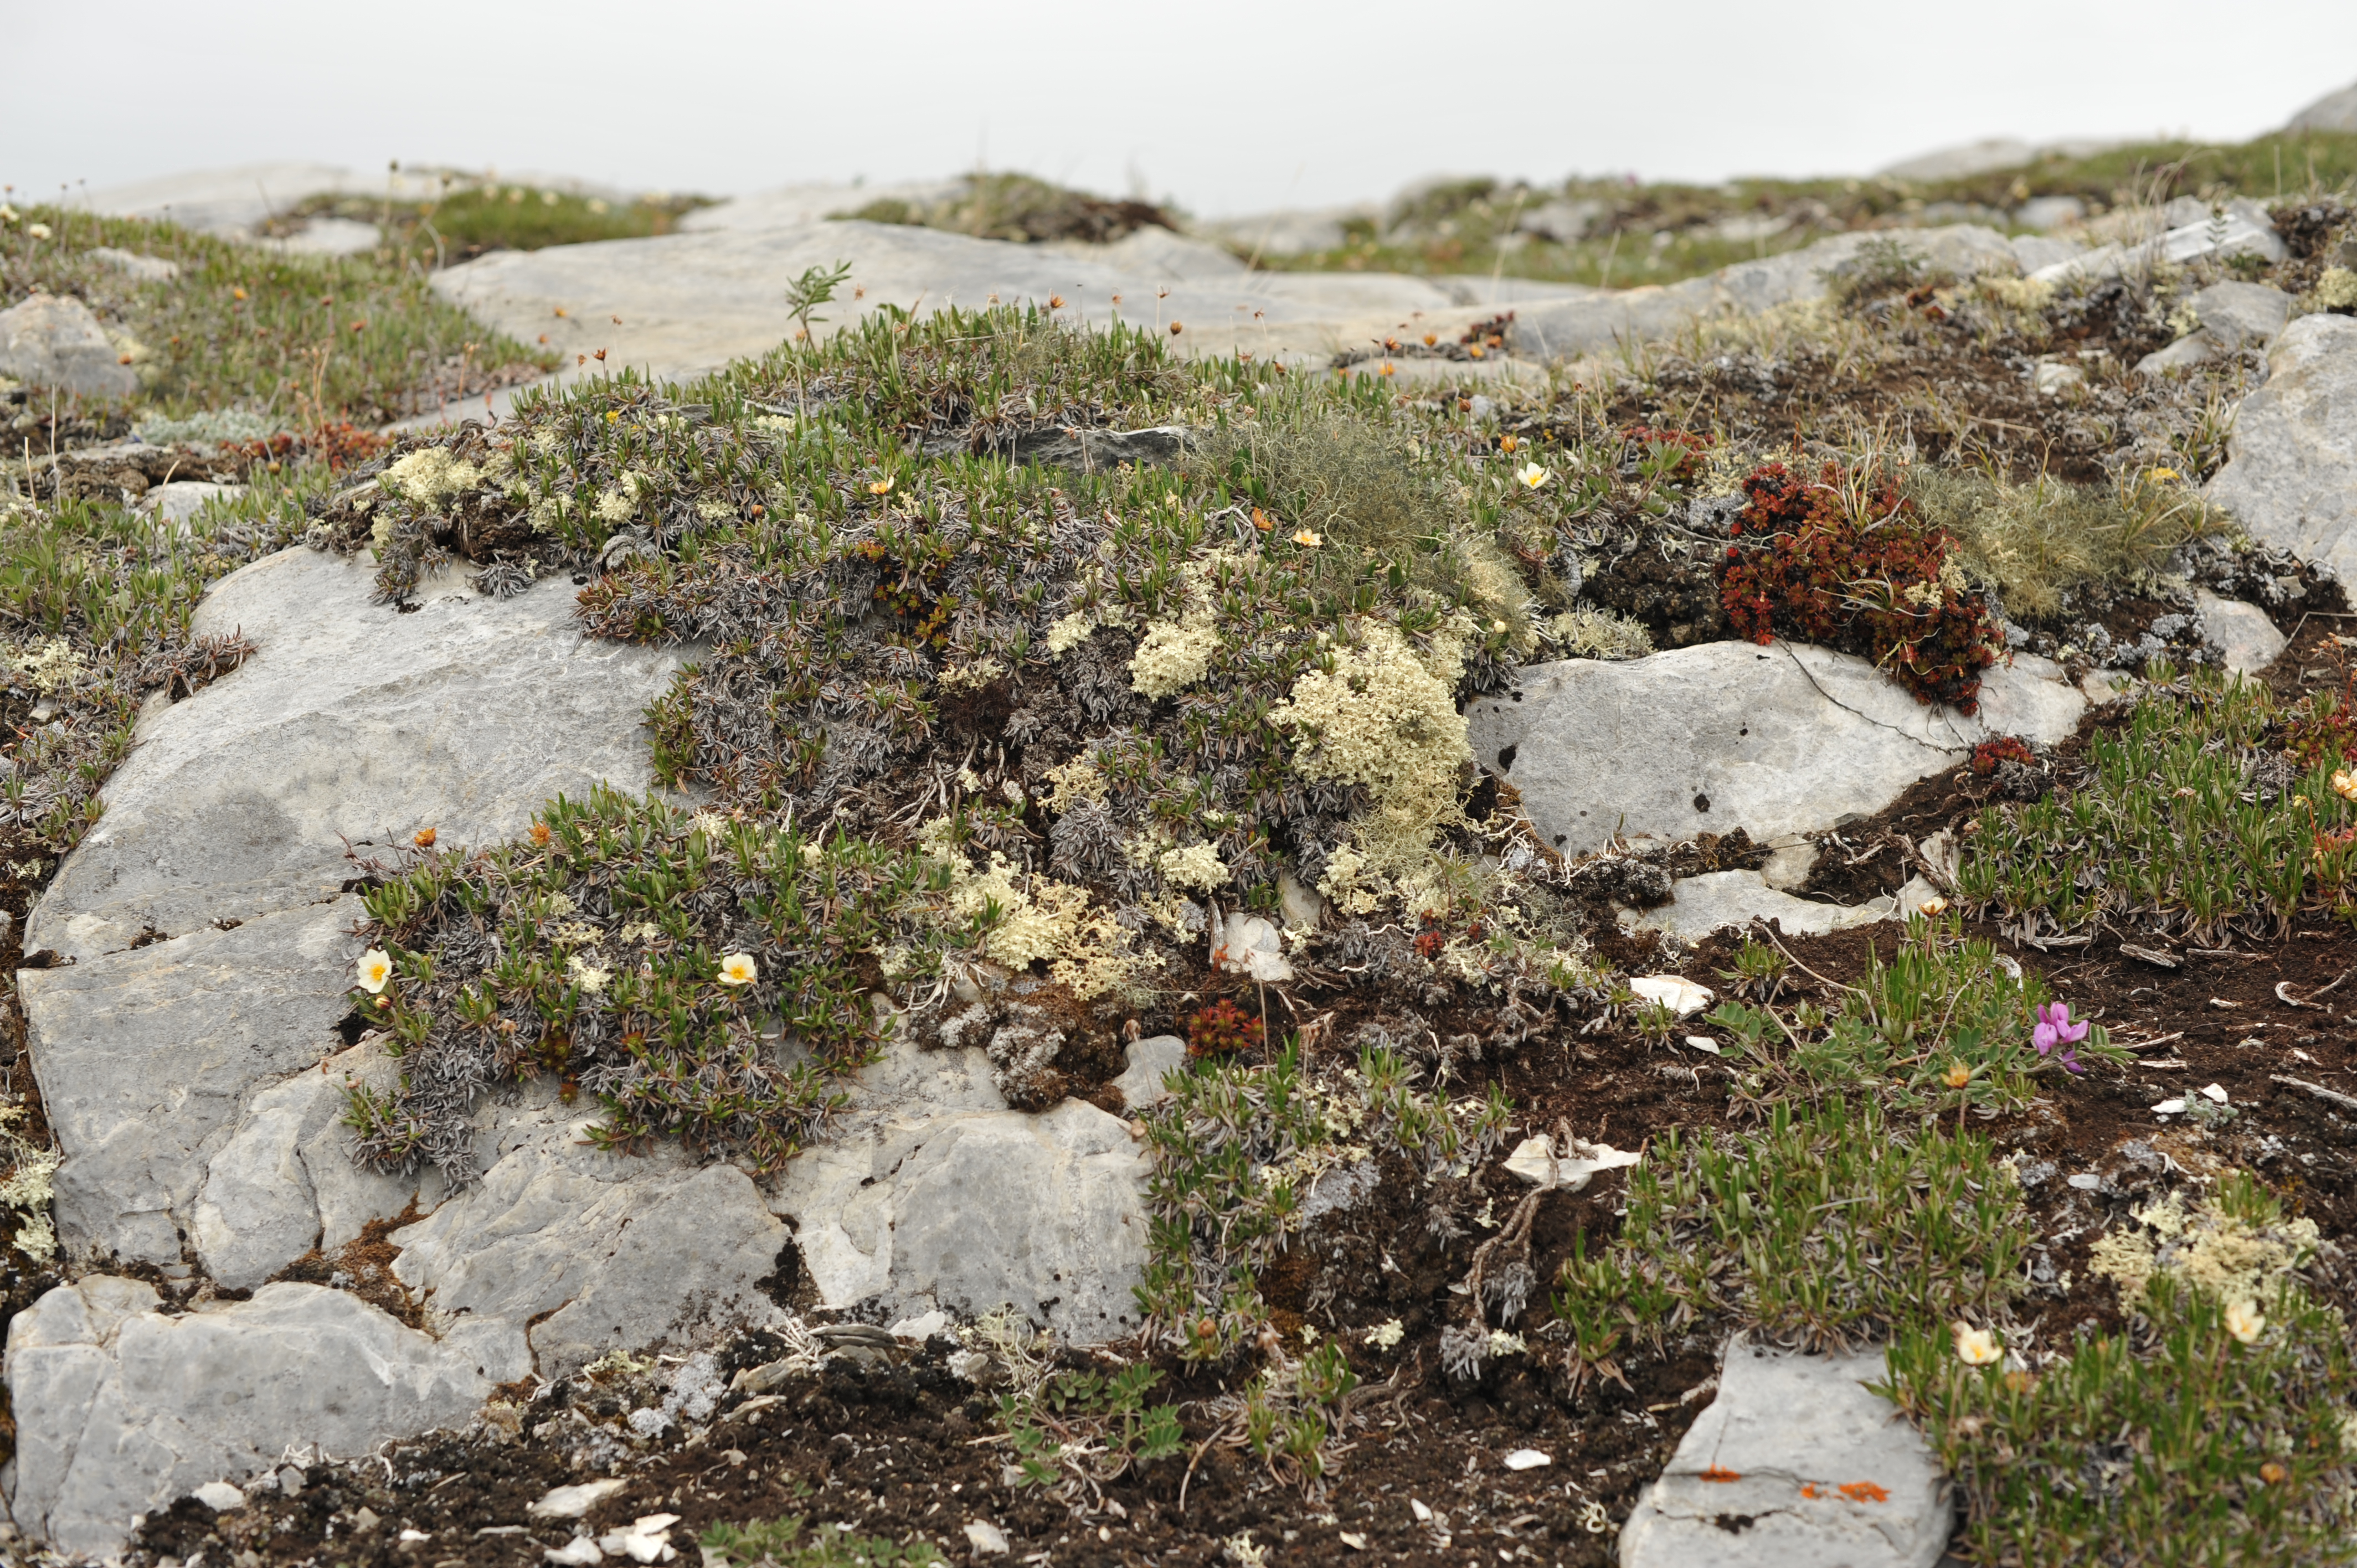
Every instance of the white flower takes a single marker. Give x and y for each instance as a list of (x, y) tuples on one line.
[(2244, 1321), (1976, 1346), (1532, 474), (37, 231), (375, 969), (1308, 539), (1387, 1335), (738, 969), (587, 974)]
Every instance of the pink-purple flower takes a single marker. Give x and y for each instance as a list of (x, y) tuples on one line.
[(2054, 1029)]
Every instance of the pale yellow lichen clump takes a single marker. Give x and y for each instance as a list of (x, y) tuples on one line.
[(2218, 1254), (1174, 654), (51, 667), (2336, 289), (1040, 919), (1197, 868), (430, 476), (1077, 782), (1385, 716), (28, 1188)]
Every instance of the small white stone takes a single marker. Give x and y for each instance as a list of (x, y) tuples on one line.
[(924, 1325), (1422, 1514), (1527, 1459), (986, 1537), (1572, 1169), (1703, 1043), (2169, 1107), (219, 1497), (572, 1502), (412, 1537), (1681, 996), (2215, 1092), (577, 1553)]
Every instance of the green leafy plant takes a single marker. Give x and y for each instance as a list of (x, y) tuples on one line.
[(1827, 1227), (1089, 1427), (1233, 1153), (598, 950), (297, 340), (2185, 820), (1939, 1025), (2217, 1428), (813, 287), (771, 1542)]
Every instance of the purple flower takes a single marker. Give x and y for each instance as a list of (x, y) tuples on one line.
[(2054, 1029)]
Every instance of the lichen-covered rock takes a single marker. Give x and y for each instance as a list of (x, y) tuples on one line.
[(120, 1408), (2292, 479), (1786, 738), (55, 342), (1795, 1464)]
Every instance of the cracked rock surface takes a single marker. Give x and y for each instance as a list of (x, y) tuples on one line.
[(1783, 739), (2293, 464), (186, 1047), (121, 1408), (1794, 1466)]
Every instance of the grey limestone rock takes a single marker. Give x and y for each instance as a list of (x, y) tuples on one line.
[(2234, 316), (1149, 1060), (932, 1194), (2333, 112), (563, 1251), (2292, 479), (1781, 739), (1701, 905), (1579, 325), (2195, 233), (1792, 1432), (132, 265), (145, 1058), (354, 723), (2244, 636), (175, 504), (120, 1408), (53, 341)]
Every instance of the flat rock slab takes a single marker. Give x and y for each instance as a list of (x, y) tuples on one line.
[(354, 723), (2247, 640), (1781, 740), (145, 1058), (691, 301), (562, 1252), (120, 1408), (1717, 900), (1795, 1464), (932, 1194), (2292, 479), (1589, 323)]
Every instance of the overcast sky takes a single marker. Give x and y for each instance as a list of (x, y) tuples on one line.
[(1226, 106)]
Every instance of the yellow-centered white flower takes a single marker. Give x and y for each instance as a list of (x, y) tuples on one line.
[(1532, 474), (2244, 1321), (738, 969), (1976, 1346), (375, 969)]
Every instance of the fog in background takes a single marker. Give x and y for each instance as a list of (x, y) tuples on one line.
[(1224, 107)]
